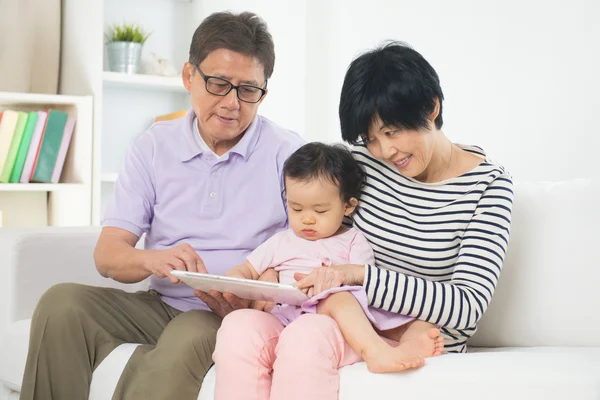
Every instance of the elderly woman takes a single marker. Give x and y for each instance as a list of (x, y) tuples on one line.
[(437, 215)]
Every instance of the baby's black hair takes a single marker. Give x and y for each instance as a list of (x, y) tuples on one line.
[(332, 162)]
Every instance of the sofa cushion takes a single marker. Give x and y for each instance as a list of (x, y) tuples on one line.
[(548, 293), (533, 373), (34, 259), (106, 376), (515, 373), (510, 373), (14, 344)]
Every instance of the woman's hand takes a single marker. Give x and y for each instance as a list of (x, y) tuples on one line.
[(324, 278)]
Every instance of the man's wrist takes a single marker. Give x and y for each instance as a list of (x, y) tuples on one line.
[(143, 258)]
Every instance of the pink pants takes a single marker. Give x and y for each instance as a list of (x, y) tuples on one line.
[(256, 358)]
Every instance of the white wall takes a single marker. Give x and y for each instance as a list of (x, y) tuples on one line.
[(285, 102), (521, 78), (127, 112), (170, 23)]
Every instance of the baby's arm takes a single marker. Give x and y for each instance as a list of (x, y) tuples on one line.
[(259, 261), (244, 270)]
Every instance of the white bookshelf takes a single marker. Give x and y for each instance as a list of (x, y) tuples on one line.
[(109, 177), (67, 203), (126, 105), (38, 187), (143, 82)]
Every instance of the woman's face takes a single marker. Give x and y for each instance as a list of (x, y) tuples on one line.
[(409, 151)]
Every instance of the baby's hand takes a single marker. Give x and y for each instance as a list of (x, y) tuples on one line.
[(233, 273), (269, 275)]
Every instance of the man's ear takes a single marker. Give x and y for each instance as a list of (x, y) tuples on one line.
[(262, 98), (436, 111), (350, 206), (186, 75)]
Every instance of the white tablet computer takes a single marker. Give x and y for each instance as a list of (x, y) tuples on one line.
[(243, 288)]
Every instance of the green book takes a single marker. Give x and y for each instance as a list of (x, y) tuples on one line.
[(15, 175), (14, 147), (46, 158)]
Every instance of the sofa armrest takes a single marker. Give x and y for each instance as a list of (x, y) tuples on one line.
[(34, 259)]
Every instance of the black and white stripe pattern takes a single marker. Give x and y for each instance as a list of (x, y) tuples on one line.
[(439, 247)]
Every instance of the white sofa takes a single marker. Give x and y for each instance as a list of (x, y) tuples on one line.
[(540, 338)]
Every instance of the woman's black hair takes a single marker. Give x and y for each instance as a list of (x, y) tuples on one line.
[(332, 162), (393, 82)]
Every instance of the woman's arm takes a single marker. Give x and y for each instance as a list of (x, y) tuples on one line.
[(459, 303)]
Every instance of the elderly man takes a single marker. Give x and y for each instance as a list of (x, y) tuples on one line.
[(206, 189)]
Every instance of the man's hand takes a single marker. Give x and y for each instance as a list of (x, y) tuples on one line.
[(222, 303), (270, 275), (183, 257)]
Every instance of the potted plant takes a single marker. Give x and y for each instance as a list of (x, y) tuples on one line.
[(124, 46)]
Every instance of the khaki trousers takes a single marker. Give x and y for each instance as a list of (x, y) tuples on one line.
[(74, 327)]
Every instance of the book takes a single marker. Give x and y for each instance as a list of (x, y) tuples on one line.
[(7, 129), (15, 175), (34, 146), (43, 166), (14, 146), (64, 147)]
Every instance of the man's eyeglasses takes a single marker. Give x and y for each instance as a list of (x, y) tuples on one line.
[(222, 87)]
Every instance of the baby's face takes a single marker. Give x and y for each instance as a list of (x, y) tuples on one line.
[(315, 208)]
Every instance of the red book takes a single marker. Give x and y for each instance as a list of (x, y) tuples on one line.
[(37, 153)]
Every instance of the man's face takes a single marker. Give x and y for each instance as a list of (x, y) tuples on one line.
[(222, 119)]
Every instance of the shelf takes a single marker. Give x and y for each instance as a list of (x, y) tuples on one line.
[(143, 82), (109, 177), (38, 187), (8, 98)]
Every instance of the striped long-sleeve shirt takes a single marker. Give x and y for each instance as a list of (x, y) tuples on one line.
[(439, 247)]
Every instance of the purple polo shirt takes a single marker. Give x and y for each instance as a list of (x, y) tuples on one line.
[(176, 193)]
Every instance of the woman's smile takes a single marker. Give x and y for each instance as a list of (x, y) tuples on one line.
[(403, 163)]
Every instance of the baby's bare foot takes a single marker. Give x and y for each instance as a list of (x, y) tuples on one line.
[(438, 347), (422, 340), (391, 359)]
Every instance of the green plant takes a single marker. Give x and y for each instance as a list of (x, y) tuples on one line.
[(126, 33)]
